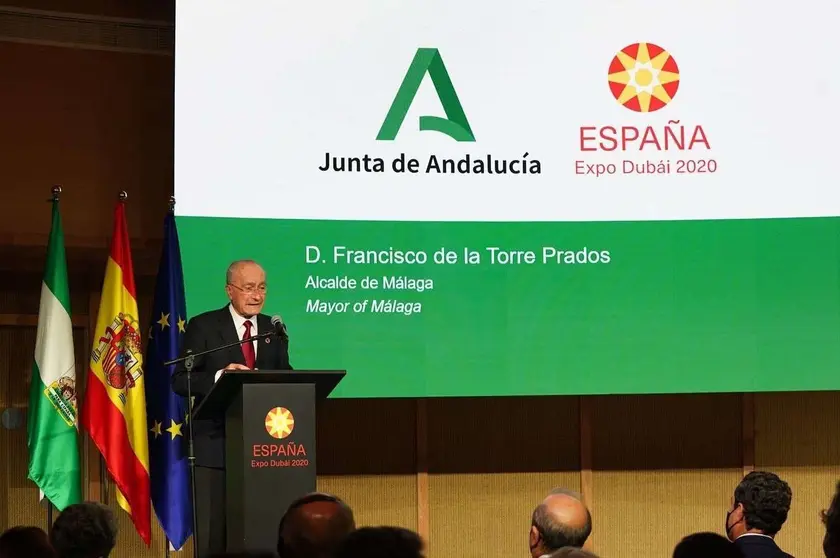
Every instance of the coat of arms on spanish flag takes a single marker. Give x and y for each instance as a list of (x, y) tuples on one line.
[(114, 407)]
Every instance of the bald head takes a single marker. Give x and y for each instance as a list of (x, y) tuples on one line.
[(565, 509), (314, 526), (561, 520)]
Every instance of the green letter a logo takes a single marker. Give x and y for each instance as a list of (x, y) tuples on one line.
[(455, 124)]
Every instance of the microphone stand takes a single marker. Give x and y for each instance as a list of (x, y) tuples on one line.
[(189, 362)]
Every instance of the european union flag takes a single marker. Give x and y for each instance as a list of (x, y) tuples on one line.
[(167, 411)]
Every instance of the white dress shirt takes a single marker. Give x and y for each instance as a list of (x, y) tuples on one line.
[(239, 322)]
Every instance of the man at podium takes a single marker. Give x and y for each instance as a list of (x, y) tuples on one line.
[(241, 318)]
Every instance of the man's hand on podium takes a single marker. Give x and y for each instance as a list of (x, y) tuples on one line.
[(231, 366)]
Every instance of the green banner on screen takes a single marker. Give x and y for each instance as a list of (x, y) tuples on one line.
[(542, 308)]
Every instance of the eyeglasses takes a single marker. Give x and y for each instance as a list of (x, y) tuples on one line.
[(261, 289)]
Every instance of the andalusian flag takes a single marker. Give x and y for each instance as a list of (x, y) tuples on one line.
[(52, 435), (114, 407)]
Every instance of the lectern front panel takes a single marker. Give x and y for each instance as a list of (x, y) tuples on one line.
[(270, 437)]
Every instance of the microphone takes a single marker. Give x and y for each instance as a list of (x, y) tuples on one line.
[(279, 328)]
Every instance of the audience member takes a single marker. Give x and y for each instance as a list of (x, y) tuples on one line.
[(86, 530), (381, 542), (706, 545), (572, 552), (831, 520), (25, 542), (560, 520), (313, 526), (760, 507), (320, 525)]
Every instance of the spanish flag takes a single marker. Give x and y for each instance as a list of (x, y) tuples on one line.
[(114, 406)]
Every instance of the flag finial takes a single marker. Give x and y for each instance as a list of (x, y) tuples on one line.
[(123, 195), (56, 192)]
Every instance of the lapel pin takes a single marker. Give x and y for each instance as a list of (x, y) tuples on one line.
[(267, 340)]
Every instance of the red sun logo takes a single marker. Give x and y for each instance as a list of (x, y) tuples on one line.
[(644, 77)]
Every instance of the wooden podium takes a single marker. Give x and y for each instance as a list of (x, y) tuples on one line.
[(270, 455)]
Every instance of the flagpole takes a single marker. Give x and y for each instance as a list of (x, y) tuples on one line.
[(106, 478), (56, 194), (103, 480), (168, 542), (190, 447), (166, 550), (54, 198)]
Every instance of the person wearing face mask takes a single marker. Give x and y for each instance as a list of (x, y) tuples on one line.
[(759, 508), (241, 318)]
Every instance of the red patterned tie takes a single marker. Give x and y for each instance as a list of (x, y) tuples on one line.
[(248, 348)]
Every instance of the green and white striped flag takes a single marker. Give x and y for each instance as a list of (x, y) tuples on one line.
[(54, 462)]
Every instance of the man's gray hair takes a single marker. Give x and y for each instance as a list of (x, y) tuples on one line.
[(232, 269), (558, 535)]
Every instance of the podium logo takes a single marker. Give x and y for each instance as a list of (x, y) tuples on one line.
[(455, 125), (644, 77), (279, 422)]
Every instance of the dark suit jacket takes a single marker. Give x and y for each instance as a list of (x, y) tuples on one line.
[(206, 331), (753, 546)]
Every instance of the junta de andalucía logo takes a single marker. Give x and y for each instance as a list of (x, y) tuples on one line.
[(456, 125)]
